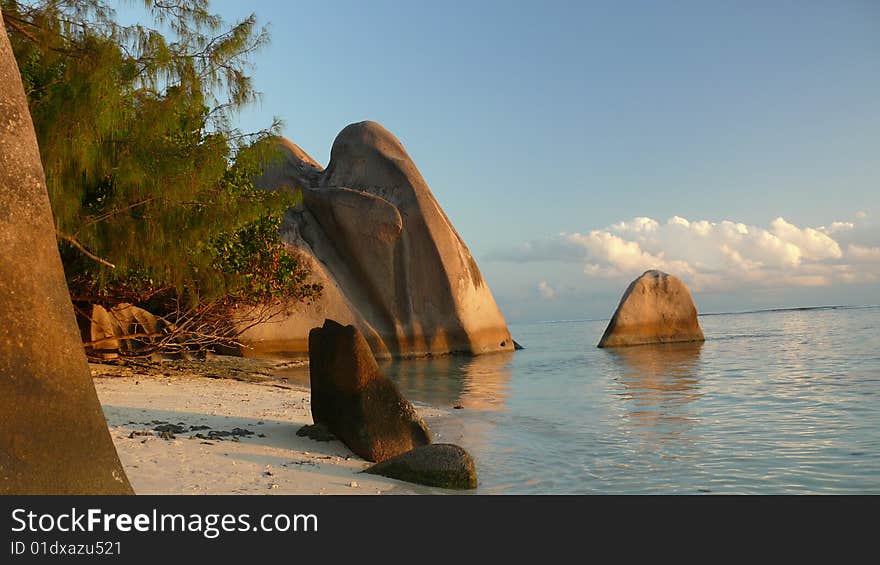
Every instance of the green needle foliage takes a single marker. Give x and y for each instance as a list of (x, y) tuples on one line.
[(149, 181)]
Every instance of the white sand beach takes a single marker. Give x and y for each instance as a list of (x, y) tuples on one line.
[(270, 459)]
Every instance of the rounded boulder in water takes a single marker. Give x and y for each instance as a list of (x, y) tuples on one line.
[(441, 465), (656, 308)]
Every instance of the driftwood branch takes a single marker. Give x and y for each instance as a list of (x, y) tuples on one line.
[(122, 338)]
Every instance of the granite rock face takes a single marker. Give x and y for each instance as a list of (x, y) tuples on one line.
[(656, 308), (355, 401), (438, 465), (53, 436), (389, 259)]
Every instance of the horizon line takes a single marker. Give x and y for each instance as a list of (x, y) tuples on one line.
[(732, 313)]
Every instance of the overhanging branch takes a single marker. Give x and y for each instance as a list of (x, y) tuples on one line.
[(72, 240)]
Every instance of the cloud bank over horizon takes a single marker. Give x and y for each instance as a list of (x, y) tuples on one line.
[(714, 256)]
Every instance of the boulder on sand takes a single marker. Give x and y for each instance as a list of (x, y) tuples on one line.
[(438, 465), (53, 436), (387, 256), (355, 401), (111, 331), (656, 308)]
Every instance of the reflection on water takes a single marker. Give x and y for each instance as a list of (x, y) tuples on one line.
[(658, 382), (479, 383)]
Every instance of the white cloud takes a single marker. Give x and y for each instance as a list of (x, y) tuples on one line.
[(546, 291), (811, 243), (863, 254), (837, 227), (716, 255)]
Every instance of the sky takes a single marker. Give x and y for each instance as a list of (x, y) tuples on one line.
[(575, 145)]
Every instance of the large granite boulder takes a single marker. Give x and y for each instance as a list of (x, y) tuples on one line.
[(389, 259), (53, 436), (355, 401), (289, 167), (656, 308), (438, 465)]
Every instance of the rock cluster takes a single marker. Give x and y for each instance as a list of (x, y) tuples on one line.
[(110, 330), (353, 401), (388, 258)]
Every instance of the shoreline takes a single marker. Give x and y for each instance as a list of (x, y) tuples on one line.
[(227, 426)]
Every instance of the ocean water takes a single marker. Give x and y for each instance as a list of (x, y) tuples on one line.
[(775, 402)]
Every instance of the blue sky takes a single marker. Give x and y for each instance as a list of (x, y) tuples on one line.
[(546, 129)]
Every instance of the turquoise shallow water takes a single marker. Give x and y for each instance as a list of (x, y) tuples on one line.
[(773, 402)]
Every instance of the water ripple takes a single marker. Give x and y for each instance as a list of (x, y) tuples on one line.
[(773, 402)]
